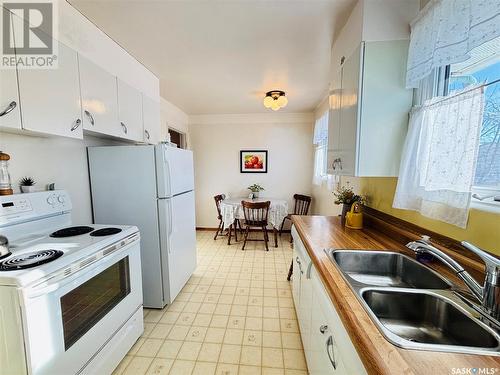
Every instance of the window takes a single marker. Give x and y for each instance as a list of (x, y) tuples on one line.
[(482, 67), (320, 149)]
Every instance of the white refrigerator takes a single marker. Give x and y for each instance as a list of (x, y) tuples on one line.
[(151, 187)]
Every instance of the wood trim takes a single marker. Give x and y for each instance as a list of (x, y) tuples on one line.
[(403, 232)]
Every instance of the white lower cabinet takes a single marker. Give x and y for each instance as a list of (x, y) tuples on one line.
[(327, 346)]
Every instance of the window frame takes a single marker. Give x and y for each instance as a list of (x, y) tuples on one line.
[(436, 84)]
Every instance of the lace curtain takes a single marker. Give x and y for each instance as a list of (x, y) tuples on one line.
[(446, 31), (439, 157), (320, 141)]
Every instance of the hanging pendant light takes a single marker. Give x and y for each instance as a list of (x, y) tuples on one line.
[(275, 100)]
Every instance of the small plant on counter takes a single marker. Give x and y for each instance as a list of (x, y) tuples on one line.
[(255, 189), (346, 197), (27, 184)]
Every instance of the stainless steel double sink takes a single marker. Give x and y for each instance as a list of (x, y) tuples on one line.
[(413, 306)]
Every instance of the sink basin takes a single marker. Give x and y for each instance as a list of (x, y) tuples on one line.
[(388, 269), (426, 320)]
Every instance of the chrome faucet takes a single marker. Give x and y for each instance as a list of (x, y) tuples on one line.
[(489, 293)]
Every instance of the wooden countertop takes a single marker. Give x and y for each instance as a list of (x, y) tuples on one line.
[(378, 355)]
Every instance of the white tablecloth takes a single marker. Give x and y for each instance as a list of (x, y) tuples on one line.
[(231, 209)]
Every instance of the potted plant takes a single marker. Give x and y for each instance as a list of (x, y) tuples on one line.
[(346, 197), (255, 189), (27, 184)]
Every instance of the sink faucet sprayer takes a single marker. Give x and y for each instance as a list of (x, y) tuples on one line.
[(489, 293)]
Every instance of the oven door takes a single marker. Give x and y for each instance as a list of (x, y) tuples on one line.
[(68, 320)]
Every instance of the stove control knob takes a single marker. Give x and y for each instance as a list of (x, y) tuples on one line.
[(51, 200), (61, 199)]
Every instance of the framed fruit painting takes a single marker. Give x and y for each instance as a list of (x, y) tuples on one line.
[(253, 161)]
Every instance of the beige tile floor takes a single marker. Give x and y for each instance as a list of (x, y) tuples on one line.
[(234, 316)]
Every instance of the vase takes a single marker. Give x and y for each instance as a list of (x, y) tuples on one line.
[(345, 209), (256, 194), (27, 189)]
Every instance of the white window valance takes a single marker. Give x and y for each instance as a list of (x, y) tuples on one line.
[(445, 31), (439, 157), (321, 130)]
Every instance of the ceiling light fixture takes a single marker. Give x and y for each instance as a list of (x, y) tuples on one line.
[(275, 100)]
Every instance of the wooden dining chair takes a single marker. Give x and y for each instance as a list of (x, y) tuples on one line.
[(301, 207), (256, 214), (219, 198)]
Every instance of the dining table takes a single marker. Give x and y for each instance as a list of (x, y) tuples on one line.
[(232, 210)]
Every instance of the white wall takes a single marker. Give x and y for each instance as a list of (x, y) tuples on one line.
[(216, 141), (53, 159), (173, 117)]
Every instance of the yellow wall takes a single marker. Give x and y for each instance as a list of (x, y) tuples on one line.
[(483, 227)]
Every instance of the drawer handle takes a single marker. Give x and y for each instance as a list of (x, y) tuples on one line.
[(124, 127), (77, 124), (323, 329), (91, 118), (147, 134), (9, 108), (330, 352)]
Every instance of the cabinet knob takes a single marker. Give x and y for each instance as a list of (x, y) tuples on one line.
[(9, 108), (91, 118), (323, 329), (78, 122), (124, 127)]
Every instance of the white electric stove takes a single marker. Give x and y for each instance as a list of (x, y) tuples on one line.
[(70, 296)]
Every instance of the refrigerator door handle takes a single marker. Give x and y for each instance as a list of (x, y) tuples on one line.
[(171, 226), (169, 174)]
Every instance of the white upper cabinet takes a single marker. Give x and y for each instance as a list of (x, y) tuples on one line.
[(99, 99), (10, 115), (51, 97), (373, 117), (130, 112), (151, 118)]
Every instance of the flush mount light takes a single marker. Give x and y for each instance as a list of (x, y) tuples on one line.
[(275, 100)]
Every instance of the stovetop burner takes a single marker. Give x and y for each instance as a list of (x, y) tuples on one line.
[(105, 232), (29, 260), (71, 231)]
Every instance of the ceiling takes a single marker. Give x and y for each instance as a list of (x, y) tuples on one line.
[(218, 57)]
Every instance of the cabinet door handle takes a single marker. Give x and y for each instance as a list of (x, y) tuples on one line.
[(147, 134), (9, 108), (335, 162), (330, 352), (78, 122), (91, 118), (300, 264), (124, 127), (323, 329)]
